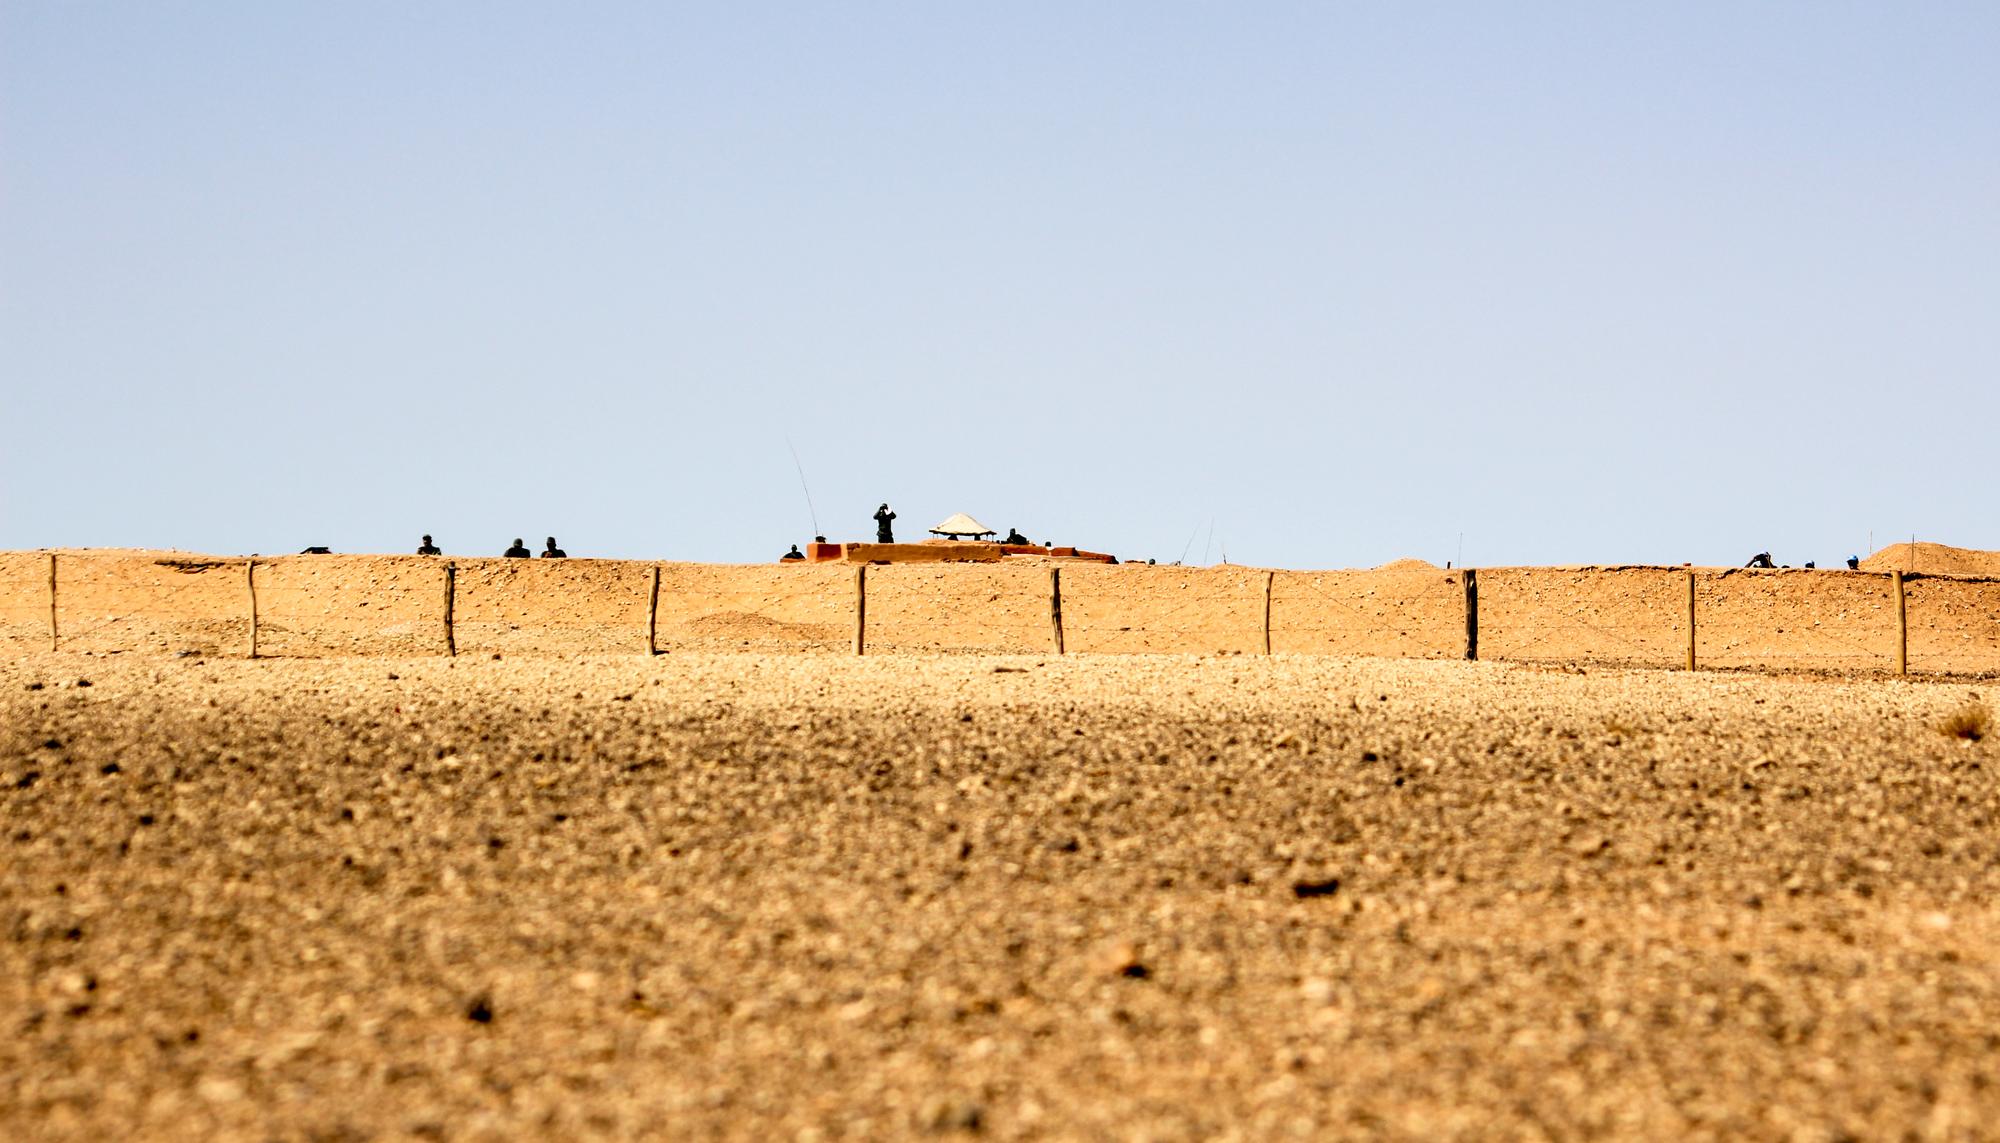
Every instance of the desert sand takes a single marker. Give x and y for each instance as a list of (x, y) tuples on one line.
[(1165, 897), (1934, 559)]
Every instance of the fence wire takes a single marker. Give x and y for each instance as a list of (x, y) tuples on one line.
[(163, 615), (1784, 620), (1374, 627), (772, 616), (1128, 638)]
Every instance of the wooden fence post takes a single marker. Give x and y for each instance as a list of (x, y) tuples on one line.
[(250, 585), (861, 609), (653, 615), (1902, 625), (1268, 577), (53, 632), (1055, 608), (1471, 614), (450, 605), (1690, 646)]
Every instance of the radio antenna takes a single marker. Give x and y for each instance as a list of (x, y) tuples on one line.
[(796, 463)]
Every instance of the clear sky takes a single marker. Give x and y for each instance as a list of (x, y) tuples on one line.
[(1312, 285)]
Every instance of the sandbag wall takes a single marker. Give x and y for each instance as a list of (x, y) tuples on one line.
[(404, 605)]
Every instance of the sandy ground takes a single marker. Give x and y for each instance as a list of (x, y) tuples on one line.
[(1935, 559), (805, 897)]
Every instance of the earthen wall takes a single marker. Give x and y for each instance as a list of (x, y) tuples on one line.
[(568, 607), (756, 607), (1137, 609), (1395, 614), (24, 602), (1630, 616), (1821, 620), (396, 605)]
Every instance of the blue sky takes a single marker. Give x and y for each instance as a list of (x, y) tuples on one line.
[(1316, 285)]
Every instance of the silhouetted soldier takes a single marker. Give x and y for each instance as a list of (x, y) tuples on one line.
[(1014, 536), (519, 551), (427, 548), (884, 534), (1760, 560), (794, 554), (552, 552)]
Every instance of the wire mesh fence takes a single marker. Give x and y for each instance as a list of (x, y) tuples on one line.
[(1954, 623), (163, 604), (1137, 609), (1397, 614), (1611, 615), (568, 607), (24, 601), (1629, 616), (1814, 620), (972, 607), (315, 606), (764, 608)]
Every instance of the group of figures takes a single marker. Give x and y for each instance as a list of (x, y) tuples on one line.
[(1763, 560), (518, 552), (885, 533)]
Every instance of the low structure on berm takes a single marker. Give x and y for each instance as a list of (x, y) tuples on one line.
[(947, 552), (960, 540)]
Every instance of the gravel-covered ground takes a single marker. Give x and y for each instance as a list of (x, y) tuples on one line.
[(1148, 898)]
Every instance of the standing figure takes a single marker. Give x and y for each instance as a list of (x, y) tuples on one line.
[(884, 534), (519, 551), (552, 552), (427, 548)]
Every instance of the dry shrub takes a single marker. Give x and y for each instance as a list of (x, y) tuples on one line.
[(1971, 722)]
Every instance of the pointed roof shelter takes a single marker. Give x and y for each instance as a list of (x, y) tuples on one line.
[(960, 526)]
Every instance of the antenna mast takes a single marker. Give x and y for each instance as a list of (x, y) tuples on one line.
[(810, 510)]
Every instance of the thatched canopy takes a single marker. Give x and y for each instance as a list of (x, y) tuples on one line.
[(961, 525)]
